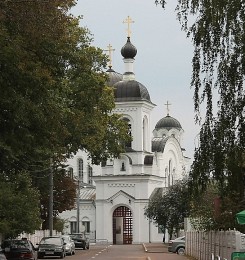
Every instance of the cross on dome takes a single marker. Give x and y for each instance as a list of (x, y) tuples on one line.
[(110, 50), (167, 104), (128, 20)]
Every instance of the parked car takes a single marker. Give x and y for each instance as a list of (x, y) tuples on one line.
[(177, 245), (19, 249), (69, 245), (80, 240), (51, 246), (2, 255)]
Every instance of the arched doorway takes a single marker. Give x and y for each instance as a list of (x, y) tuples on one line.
[(122, 226)]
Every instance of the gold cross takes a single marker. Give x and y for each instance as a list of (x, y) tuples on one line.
[(168, 104), (128, 21), (110, 50)]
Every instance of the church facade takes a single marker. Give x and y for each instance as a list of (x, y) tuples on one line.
[(113, 196)]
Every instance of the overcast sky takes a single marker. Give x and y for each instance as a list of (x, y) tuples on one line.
[(163, 60)]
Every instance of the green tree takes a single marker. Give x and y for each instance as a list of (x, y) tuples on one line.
[(169, 208), (64, 194), (54, 98), (218, 32), (19, 205), (54, 95)]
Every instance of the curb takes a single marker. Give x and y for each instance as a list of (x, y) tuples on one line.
[(145, 248)]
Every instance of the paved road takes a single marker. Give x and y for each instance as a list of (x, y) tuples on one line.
[(123, 252)]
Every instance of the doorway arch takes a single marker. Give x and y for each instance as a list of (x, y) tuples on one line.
[(122, 225)]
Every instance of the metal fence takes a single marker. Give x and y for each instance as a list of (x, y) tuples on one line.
[(214, 245)]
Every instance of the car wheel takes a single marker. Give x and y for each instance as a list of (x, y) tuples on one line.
[(180, 251), (62, 255), (39, 256), (87, 246)]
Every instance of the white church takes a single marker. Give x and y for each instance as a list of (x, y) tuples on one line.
[(113, 196)]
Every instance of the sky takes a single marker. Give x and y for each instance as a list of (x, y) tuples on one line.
[(164, 54)]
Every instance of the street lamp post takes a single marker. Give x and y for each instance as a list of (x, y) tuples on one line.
[(78, 204), (51, 199)]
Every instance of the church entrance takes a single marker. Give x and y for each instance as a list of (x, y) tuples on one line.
[(122, 226)]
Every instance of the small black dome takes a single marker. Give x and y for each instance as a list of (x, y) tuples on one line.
[(168, 122), (128, 51), (114, 77), (130, 90)]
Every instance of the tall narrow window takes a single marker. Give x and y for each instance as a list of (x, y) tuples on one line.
[(86, 224), (129, 144), (90, 174), (80, 169), (70, 172), (170, 174), (73, 227), (123, 167), (145, 133)]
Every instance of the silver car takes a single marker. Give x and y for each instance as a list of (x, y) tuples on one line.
[(69, 245), (177, 245)]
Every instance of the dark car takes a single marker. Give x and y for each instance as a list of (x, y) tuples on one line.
[(177, 245), (80, 240), (51, 246), (2, 255), (15, 249)]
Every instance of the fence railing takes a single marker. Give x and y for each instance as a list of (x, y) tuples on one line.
[(213, 244)]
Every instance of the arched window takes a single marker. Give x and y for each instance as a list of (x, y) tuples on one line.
[(170, 174), (145, 133), (128, 144), (123, 167), (90, 174), (70, 172), (80, 169)]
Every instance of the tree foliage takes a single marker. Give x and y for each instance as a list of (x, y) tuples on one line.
[(169, 208), (19, 205), (54, 95), (54, 98), (64, 194), (217, 29), (209, 212)]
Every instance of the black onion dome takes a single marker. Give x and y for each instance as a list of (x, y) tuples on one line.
[(114, 77), (168, 122), (130, 90), (128, 51)]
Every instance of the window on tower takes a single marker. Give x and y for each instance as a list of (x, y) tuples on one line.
[(128, 144), (90, 174), (80, 169), (123, 167)]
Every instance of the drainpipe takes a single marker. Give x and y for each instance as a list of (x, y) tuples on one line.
[(149, 231)]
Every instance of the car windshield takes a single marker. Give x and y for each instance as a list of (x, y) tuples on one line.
[(51, 240)]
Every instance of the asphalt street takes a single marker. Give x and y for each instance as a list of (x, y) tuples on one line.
[(149, 251)]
